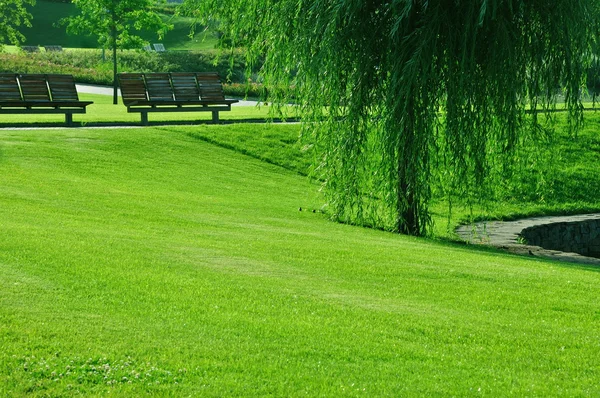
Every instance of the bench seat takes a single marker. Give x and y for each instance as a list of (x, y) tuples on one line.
[(182, 103), (40, 94), (44, 104), (173, 92)]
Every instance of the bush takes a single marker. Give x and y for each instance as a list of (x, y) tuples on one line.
[(245, 90), (88, 66), (165, 8), (17, 63), (231, 68)]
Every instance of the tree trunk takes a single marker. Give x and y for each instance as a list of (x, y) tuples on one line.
[(407, 205), (410, 217), (408, 221), (114, 48)]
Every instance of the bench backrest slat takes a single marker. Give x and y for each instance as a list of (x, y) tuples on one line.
[(9, 87), (133, 88), (180, 87), (34, 87), (62, 88), (211, 88), (185, 86), (31, 49), (53, 48), (159, 87)]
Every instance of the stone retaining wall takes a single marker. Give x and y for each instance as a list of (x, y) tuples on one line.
[(582, 237)]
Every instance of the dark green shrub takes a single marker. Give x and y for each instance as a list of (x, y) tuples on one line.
[(89, 66), (231, 68), (165, 8), (254, 90), (16, 63)]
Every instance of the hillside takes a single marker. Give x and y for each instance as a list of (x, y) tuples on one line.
[(45, 31), (144, 261)]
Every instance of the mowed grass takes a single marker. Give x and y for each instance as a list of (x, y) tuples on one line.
[(147, 261)]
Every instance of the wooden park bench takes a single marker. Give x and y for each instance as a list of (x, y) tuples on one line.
[(31, 49), (173, 92), (159, 47), (53, 48), (40, 94)]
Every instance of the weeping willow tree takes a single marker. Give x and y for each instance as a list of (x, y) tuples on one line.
[(397, 91)]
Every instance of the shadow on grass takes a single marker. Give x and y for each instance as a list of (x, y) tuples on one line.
[(571, 263), (158, 123)]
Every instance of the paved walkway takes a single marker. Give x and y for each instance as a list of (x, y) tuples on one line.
[(505, 235), (95, 89), (107, 90)]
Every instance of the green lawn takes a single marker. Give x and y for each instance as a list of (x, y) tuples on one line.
[(149, 261), (103, 112), (179, 37)]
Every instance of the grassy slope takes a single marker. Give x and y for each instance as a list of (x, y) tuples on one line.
[(145, 261), (565, 174), (562, 179), (44, 32), (47, 14), (178, 38)]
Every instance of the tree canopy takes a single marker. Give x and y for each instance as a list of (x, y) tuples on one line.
[(126, 17), (13, 14), (399, 92), (116, 23)]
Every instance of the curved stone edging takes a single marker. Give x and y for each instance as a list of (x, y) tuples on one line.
[(508, 235)]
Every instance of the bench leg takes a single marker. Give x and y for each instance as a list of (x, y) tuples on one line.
[(69, 119), (144, 118), (215, 116)]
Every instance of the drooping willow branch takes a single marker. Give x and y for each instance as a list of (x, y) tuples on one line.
[(404, 90)]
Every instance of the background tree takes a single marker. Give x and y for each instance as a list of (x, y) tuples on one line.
[(406, 91), (13, 14), (116, 23)]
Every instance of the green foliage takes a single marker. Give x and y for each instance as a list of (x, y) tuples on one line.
[(413, 91), (181, 37), (133, 61), (593, 78), (45, 30), (165, 8), (13, 15), (557, 178), (87, 66), (232, 69), (116, 23), (80, 68)]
